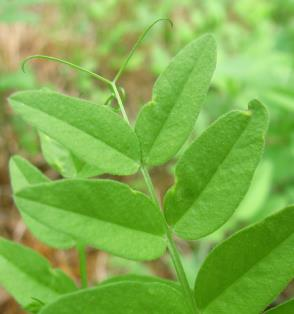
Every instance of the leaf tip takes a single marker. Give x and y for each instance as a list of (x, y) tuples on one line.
[(210, 40), (255, 103), (257, 106)]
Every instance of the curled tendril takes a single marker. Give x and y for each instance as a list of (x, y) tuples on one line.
[(122, 92), (72, 65), (97, 76), (137, 44), (109, 100)]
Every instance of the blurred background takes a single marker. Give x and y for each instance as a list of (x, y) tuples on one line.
[(255, 60)]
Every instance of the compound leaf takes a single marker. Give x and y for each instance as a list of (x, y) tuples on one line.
[(122, 298), (28, 276), (246, 272), (24, 174), (95, 134), (165, 123), (103, 213), (215, 172), (284, 308)]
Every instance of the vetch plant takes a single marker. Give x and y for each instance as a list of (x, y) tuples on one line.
[(80, 139)]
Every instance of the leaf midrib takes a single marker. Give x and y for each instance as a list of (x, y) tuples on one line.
[(91, 217), (238, 278), (37, 280), (169, 111), (119, 152), (215, 172)]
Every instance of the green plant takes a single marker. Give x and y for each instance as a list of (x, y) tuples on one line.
[(242, 275)]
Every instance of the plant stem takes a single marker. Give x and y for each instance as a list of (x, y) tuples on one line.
[(149, 184), (171, 244), (180, 270), (83, 264), (172, 247)]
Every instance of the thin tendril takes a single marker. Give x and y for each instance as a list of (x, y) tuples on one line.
[(109, 100), (123, 93), (74, 66), (136, 45)]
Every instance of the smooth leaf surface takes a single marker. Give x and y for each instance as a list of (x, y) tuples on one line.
[(215, 172), (24, 174), (95, 134), (122, 298), (27, 275), (165, 123), (285, 308), (246, 272), (250, 209), (102, 213), (64, 161)]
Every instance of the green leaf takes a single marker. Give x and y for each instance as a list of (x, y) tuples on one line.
[(251, 209), (165, 123), (215, 172), (23, 174), (285, 308), (102, 213), (122, 298), (95, 134), (64, 161), (28, 276), (246, 272)]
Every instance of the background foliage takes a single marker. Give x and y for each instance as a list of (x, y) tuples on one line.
[(255, 60)]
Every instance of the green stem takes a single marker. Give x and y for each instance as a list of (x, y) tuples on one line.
[(83, 264), (180, 271), (149, 184), (171, 244), (172, 247)]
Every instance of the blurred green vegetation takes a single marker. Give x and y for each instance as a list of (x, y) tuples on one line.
[(255, 60)]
